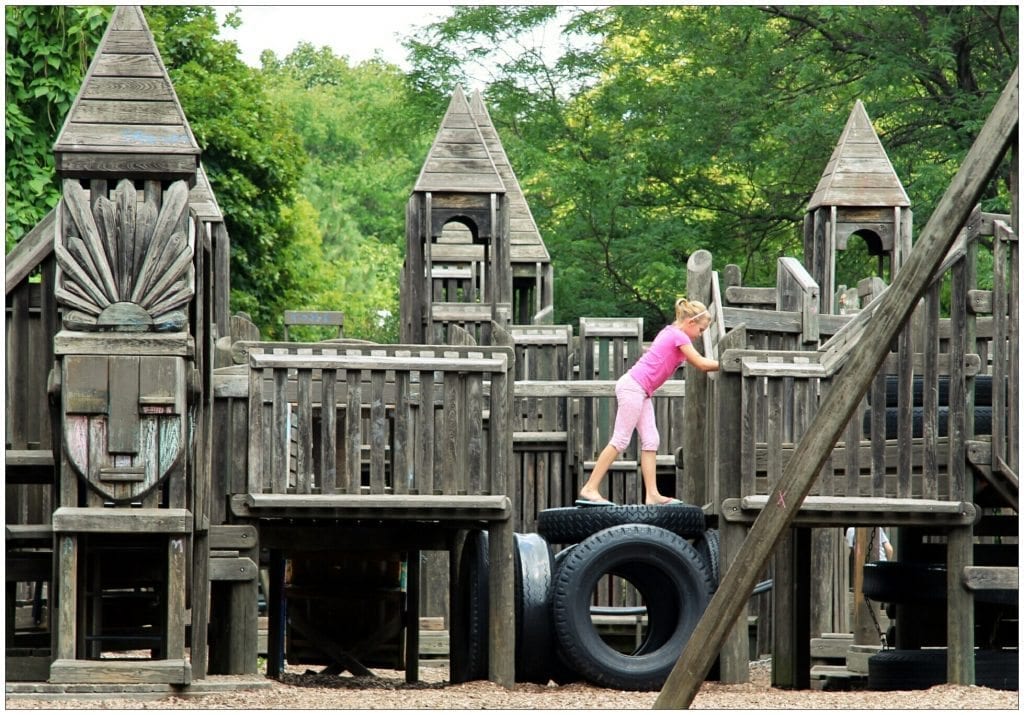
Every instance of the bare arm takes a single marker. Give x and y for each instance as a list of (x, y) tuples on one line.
[(697, 360)]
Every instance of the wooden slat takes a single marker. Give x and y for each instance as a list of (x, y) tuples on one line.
[(383, 362), (984, 578), (30, 250), (104, 520), (388, 506), (171, 139), (123, 111)]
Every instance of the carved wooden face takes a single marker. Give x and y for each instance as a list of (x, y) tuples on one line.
[(124, 427)]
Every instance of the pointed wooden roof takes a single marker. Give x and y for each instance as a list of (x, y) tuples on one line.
[(126, 121), (458, 160), (526, 242), (202, 200), (859, 172)]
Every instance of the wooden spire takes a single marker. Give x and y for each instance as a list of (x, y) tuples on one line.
[(527, 244), (126, 121), (459, 160), (859, 172)]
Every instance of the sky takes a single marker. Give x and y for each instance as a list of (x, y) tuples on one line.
[(353, 31)]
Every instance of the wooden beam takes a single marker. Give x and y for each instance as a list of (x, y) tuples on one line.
[(838, 405), (980, 578), (30, 250)]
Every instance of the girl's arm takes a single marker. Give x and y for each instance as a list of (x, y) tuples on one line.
[(697, 360)]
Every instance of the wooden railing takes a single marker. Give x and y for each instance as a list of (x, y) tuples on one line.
[(416, 420), (909, 438)]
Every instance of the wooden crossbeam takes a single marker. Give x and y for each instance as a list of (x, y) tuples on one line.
[(866, 356)]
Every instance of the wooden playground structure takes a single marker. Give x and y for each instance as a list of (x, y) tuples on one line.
[(166, 469)]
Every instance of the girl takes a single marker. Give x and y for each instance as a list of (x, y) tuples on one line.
[(635, 410)]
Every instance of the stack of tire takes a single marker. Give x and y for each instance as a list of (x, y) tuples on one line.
[(665, 552), (918, 590)]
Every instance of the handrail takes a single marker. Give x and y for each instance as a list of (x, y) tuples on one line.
[(31, 250)]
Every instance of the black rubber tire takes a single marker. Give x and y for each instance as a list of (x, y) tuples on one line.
[(670, 576), (570, 525), (982, 390), (707, 546), (469, 640), (915, 582), (535, 635), (922, 669), (982, 422)]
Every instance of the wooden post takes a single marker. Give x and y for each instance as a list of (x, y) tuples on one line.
[(735, 651), (695, 476), (839, 403), (502, 626)]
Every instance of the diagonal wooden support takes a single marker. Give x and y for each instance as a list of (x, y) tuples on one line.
[(838, 405)]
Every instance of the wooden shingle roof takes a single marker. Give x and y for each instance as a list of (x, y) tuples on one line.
[(202, 200), (458, 160), (126, 120), (527, 245), (859, 172)]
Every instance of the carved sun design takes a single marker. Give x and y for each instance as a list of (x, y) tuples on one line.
[(123, 265)]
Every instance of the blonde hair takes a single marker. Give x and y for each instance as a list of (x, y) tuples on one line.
[(690, 309)]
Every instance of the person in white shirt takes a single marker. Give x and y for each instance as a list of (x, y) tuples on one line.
[(883, 548)]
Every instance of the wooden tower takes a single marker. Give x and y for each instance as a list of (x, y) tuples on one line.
[(859, 195), (126, 373), (473, 252), (532, 273)]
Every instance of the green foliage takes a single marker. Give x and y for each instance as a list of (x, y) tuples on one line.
[(365, 148), (652, 132), (46, 55), (688, 127), (252, 156)]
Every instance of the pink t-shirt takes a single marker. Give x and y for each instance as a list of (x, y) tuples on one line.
[(661, 359)]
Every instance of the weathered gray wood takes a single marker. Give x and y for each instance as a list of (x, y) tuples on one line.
[(355, 506), (173, 671), (119, 521), (694, 437), (236, 569), (30, 250), (233, 536), (863, 362), (501, 625), (65, 623), (730, 426), (176, 580), (983, 578)]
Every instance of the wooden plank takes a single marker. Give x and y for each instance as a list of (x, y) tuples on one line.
[(587, 388), (499, 363), (171, 139), (962, 510), (384, 506), (174, 671), (125, 111), (983, 578), (241, 537), (864, 359), (30, 250), (236, 569), (120, 521)]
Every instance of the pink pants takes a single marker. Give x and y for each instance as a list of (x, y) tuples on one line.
[(635, 410)]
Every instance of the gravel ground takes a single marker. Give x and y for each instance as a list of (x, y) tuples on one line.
[(303, 690)]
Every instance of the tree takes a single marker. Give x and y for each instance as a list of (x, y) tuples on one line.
[(47, 53), (365, 148), (252, 156), (687, 127)]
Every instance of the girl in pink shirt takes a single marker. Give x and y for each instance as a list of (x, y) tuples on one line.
[(635, 410)]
